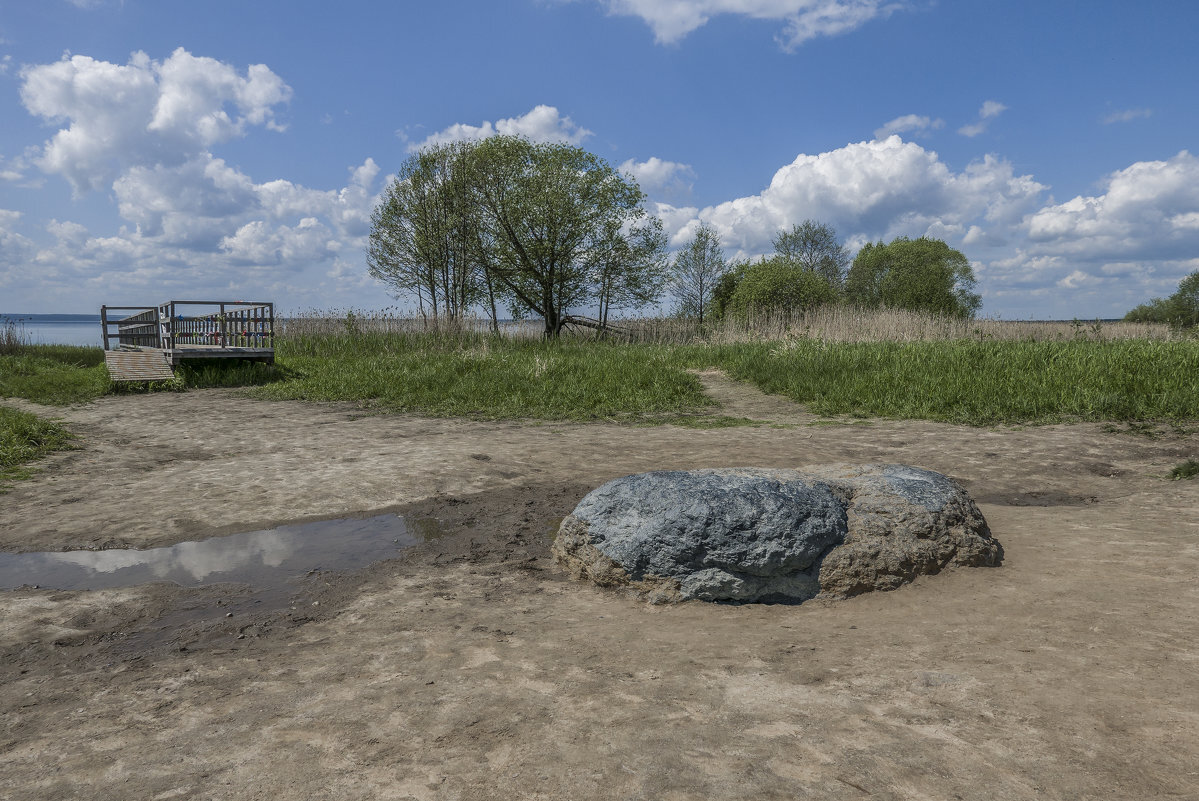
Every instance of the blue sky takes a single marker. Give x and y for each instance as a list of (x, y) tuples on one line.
[(155, 148)]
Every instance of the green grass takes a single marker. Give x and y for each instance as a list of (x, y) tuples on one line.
[(979, 383), (482, 377), (1138, 383), (1187, 469), (24, 438), (53, 374)]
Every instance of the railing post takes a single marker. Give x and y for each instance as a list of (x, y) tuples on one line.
[(104, 324)]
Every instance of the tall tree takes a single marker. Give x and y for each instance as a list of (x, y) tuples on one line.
[(630, 270), (814, 247), (424, 233), (553, 213), (697, 269), (922, 274)]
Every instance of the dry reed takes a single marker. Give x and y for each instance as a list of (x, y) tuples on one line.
[(828, 324)]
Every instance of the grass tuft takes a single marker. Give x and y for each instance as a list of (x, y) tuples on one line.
[(24, 438), (1187, 469)]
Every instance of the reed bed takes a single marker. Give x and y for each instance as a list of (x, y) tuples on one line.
[(854, 325), (827, 323)]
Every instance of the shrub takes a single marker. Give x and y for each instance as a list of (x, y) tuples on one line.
[(774, 285)]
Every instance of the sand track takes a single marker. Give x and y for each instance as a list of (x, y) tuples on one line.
[(471, 669)]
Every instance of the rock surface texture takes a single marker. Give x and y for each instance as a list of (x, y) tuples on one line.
[(750, 534)]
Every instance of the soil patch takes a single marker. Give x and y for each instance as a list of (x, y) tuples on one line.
[(469, 667)]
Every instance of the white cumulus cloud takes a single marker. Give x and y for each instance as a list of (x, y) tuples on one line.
[(146, 130), (672, 20), (1149, 209), (541, 124), (658, 177), (144, 112), (877, 189)]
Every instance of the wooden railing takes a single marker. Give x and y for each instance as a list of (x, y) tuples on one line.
[(230, 325), (210, 324)]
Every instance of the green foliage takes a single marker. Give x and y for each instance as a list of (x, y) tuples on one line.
[(814, 247), (24, 438), (924, 275), (725, 287), (1139, 382), (542, 228), (979, 383), (553, 214), (1187, 469), (1180, 309), (630, 269), (778, 285), (424, 237)]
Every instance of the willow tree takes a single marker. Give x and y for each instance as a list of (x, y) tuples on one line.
[(553, 216)]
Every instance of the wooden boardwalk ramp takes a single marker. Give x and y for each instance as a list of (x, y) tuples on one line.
[(144, 364)]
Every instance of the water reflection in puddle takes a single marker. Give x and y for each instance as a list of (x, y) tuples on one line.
[(259, 558)]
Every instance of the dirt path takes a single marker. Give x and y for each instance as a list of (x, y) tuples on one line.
[(472, 669)]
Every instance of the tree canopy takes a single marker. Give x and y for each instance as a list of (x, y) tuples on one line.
[(543, 227), (1181, 308), (422, 238), (779, 285), (813, 246), (924, 275)]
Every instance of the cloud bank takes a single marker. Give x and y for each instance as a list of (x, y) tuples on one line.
[(145, 131), (193, 223)]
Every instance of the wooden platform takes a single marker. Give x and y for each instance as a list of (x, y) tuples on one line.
[(146, 364), (150, 341)]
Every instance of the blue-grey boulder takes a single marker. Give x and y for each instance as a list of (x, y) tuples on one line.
[(757, 534)]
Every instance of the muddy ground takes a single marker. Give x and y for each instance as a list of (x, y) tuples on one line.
[(471, 668)]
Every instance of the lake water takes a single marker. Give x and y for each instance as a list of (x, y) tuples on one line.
[(56, 329)]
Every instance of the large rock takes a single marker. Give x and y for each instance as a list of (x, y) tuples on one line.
[(748, 534)]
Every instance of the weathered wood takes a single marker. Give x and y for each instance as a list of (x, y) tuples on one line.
[(587, 322), (217, 329), (138, 365)]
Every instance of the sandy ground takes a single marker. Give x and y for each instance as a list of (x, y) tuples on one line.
[(471, 668)]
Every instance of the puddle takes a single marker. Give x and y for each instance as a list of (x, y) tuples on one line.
[(262, 559)]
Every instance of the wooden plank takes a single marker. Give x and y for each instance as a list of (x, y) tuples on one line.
[(132, 365)]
